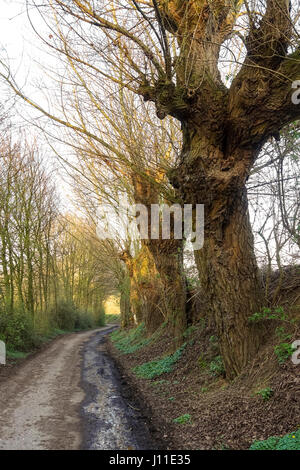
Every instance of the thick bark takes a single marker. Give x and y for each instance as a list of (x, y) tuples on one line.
[(168, 258), (148, 289), (166, 283), (145, 289), (125, 309), (227, 266), (230, 280)]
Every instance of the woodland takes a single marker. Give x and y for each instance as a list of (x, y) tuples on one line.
[(162, 102)]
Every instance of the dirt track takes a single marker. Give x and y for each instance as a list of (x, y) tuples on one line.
[(69, 396)]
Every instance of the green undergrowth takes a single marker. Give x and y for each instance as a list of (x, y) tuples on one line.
[(283, 352), (216, 367), (24, 332), (265, 393), (152, 369), (16, 355), (112, 318), (183, 419), (130, 341), (288, 442)]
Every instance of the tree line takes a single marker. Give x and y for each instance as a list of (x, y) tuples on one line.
[(51, 276)]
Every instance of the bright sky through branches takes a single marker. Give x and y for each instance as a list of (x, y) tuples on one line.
[(18, 44)]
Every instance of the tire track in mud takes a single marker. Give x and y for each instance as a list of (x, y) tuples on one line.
[(69, 396), (109, 422)]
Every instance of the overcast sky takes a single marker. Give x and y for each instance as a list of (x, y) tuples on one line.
[(19, 45), (13, 26)]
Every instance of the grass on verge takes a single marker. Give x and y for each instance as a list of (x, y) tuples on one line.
[(152, 369), (288, 442), (130, 341), (112, 318)]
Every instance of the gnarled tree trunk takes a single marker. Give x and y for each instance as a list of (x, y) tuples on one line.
[(168, 258), (231, 283), (168, 287), (127, 317), (144, 290), (228, 272)]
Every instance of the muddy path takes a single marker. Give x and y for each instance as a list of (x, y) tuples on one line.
[(69, 396)]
